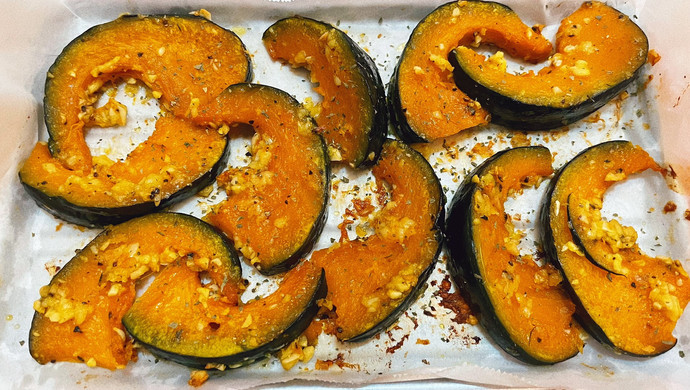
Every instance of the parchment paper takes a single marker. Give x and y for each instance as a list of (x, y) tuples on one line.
[(33, 33)]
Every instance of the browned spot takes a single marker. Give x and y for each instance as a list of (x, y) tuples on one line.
[(363, 207), (52, 268), (681, 96), (670, 172), (382, 195), (649, 80), (670, 207), (338, 361), (398, 344), (198, 378), (453, 301), (423, 341), (343, 229), (414, 321)]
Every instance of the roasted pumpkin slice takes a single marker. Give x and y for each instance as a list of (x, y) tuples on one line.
[(374, 280), (523, 306), (276, 206), (156, 50), (424, 102), (177, 161), (79, 315), (599, 51), (352, 116), (635, 308), (194, 325)]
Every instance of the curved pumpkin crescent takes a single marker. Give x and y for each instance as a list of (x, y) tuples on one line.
[(176, 161), (599, 51), (634, 312), (190, 329), (352, 117), (523, 307), (276, 206), (424, 102), (79, 315), (372, 281)]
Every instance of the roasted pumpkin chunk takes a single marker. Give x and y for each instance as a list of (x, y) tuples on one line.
[(634, 306), (424, 101), (197, 326), (374, 280), (523, 305), (276, 205), (79, 314), (156, 50), (599, 51), (352, 116), (179, 159)]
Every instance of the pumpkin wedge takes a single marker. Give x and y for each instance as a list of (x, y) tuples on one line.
[(424, 102), (523, 306), (352, 116), (599, 51), (79, 314), (175, 162), (373, 280), (62, 175), (276, 206), (195, 326), (635, 309)]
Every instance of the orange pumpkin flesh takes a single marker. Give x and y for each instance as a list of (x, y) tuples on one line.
[(523, 305), (634, 312), (373, 280), (598, 51), (194, 325), (79, 315), (276, 205), (181, 57), (185, 61), (352, 116), (424, 95), (175, 154)]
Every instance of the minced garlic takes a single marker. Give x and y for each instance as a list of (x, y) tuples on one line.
[(498, 61), (57, 307), (113, 113), (580, 69), (193, 109), (372, 303), (441, 62), (393, 228), (105, 68), (197, 378), (297, 351), (571, 246), (617, 175), (663, 299)]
